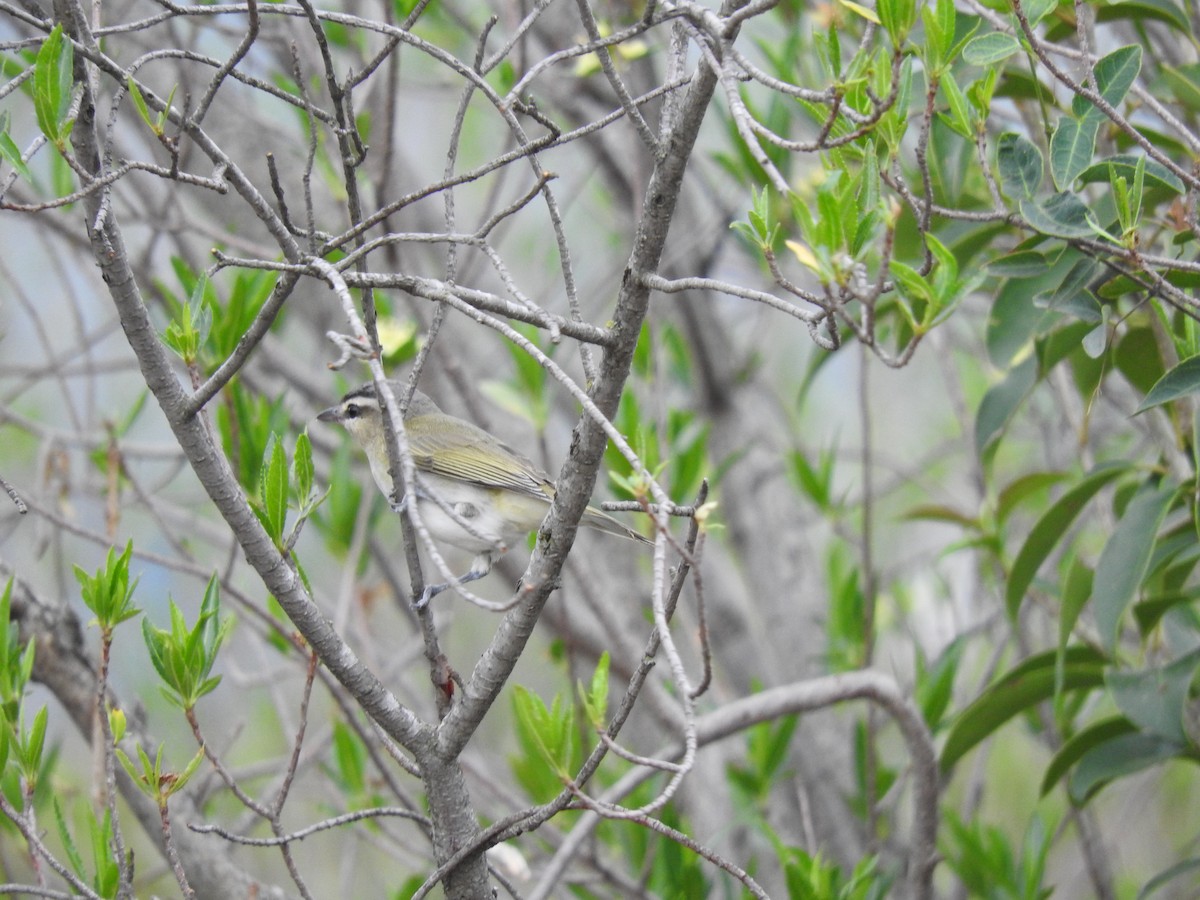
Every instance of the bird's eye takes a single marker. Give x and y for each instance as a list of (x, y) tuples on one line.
[(353, 410)]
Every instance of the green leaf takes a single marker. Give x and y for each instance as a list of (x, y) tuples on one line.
[(1071, 149), (183, 657), (914, 289), (108, 594), (1049, 530), (989, 49), (1126, 557), (1073, 293), (1184, 83), (1020, 164), (550, 729), (1180, 381), (1095, 342), (1076, 591), (1001, 402), (1063, 215), (1029, 683), (1125, 165), (350, 759), (960, 116), (1020, 264), (32, 743), (52, 82), (1187, 867), (117, 723), (595, 699), (14, 674), (814, 479), (68, 842), (934, 688), (944, 16), (1036, 10), (139, 102), (9, 150), (273, 489), (1154, 698), (939, 513), (1120, 756), (209, 624), (302, 469), (182, 778), (130, 769), (1080, 744), (155, 645), (898, 18), (1115, 74), (1140, 11), (166, 111), (1021, 488)]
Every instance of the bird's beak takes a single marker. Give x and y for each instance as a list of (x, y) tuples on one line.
[(333, 414)]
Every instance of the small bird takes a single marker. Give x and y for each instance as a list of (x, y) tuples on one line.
[(499, 493)]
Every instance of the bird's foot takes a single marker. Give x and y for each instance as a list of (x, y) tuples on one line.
[(431, 591), (480, 567)]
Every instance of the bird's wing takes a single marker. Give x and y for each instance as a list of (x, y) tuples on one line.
[(454, 452)]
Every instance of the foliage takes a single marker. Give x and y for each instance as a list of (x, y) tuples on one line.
[(184, 657), (1003, 195)]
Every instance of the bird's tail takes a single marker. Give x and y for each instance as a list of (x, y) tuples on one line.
[(602, 521)]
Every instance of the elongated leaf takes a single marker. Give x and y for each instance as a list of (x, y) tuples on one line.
[(139, 101), (47, 84), (1049, 530), (273, 488), (1002, 401), (302, 468), (1115, 74), (1073, 286), (1015, 319), (1080, 744), (1020, 164), (935, 687), (1121, 285), (1154, 698), (1126, 557), (938, 513), (1029, 683), (1184, 83), (64, 835), (987, 50), (1122, 755), (1076, 591), (960, 116), (1063, 215), (1013, 493), (1180, 381), (1140, 11), (944, 15), (1071, 149), (156, 642), (865, 11), (1125, 165), (1187, 867), (1021, 264), (10, 151), (1037, 10)]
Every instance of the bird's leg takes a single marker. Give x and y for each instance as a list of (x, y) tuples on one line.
[(480, 566)]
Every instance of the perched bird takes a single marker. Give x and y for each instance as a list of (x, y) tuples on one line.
[(498, 495)]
